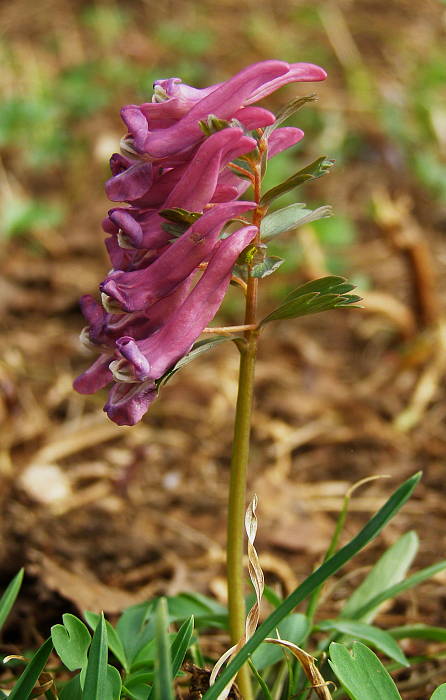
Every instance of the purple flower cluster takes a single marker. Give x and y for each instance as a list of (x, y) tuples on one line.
[(153, 309)]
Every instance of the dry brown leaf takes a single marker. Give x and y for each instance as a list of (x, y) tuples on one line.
[(308, 663)]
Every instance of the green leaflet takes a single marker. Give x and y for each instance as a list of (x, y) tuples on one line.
[(314, 170), (361, 673), (289, 218), (71, 641), (390, 569)]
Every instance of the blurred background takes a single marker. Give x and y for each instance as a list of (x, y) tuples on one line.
[(104, 517)]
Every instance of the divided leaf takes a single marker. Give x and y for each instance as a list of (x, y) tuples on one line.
[(314, 170), (361, 673), (313, 297)]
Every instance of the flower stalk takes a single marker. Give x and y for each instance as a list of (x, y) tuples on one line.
[(240, 459)]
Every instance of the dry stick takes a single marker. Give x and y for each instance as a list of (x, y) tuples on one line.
[(407, 238)]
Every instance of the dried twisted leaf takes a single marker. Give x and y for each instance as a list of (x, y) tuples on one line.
[(257, 579), (308, 663)]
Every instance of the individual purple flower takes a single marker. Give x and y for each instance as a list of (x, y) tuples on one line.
[(224, 101), (140, 289)]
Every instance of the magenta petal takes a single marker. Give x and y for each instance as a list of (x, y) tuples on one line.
[(129, 349), (141, 288), (95, 377), (283, 138), (135, 121), (130, 184), (254, 117), (197, 185), (127, 403), (298, 72)]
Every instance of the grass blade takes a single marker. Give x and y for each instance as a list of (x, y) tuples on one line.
[(180, 644), (163, 663), (328, 568), (9, 596), (23, 688), (95, 687)]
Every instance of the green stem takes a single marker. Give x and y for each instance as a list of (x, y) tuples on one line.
[(236, 509), (239, 461)]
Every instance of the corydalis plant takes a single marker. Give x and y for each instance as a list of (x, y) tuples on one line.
[(188, 156)]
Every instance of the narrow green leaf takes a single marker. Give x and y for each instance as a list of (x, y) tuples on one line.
[(377, 638), (26, 682), (327, 569), (71, 641), (287, 111), (95, 686), (135, 628), (440, 693), (398, 588), (9, 596), (198, 349), (113, 684), (289, 218), (183, 605), (114, 641), (72, 690), (391, 568), (138, 684), (419, 631), (361, 673), (319, 167), (180, 644), (264, 688), (163, 662), (332, 284)]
